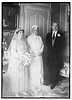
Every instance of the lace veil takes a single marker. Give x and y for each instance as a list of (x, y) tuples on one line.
[(8, 53)]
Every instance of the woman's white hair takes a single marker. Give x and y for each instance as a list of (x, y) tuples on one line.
[(34, 27)]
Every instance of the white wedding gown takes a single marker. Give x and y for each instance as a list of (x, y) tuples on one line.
[(18, 73)]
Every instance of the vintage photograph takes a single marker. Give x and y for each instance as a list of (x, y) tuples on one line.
[(35, 50)]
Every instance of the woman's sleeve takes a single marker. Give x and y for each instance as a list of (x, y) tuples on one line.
[(29, 46), (28, 42), (42, 46), (14, 48)]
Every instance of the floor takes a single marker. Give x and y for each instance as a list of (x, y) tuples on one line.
[(61, 90)]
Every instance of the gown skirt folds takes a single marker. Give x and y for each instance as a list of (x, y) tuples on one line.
[(36, 71), (17, 71), (18, 76), (36, 66)]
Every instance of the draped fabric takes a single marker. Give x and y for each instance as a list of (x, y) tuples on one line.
[(18, 66), (36, 66)]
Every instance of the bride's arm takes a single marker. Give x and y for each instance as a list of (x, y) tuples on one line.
[(14, 49)]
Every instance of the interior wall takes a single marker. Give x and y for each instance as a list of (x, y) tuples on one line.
[(64, 26), (24, 14), (55, 12), (60, 14)]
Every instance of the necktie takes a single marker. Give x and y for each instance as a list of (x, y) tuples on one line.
[(53, 35), (53, 39)]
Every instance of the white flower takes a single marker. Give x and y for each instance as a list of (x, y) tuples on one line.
[(26, 59), (59, 35)]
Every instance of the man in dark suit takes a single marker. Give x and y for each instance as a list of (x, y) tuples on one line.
[(55, 42)]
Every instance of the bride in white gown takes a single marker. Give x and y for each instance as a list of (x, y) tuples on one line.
[(18, 63), (36, 67)]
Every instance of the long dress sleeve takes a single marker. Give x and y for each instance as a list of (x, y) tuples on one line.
[(42, 46), (14, 49), (29, 45)]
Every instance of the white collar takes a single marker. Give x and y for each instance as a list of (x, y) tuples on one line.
[(55, 33), (34, 34)]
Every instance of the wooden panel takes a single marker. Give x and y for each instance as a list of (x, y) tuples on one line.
[(38, 17), (55, 12), (32, 19), (41, 25)]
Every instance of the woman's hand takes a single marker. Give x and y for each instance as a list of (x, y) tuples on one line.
[(33, 54), (40, 53)]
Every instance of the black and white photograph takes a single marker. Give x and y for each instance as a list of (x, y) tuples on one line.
[(35, 50)]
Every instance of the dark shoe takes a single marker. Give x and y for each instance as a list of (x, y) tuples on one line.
[(52, 86), (47, 83)]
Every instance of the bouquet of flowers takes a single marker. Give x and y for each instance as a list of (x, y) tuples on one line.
[(26, 59)]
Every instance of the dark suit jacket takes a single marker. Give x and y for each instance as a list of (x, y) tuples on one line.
[(54, 53), (59, 44)]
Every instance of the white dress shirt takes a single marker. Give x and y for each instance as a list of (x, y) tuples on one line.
[(54, 34)]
